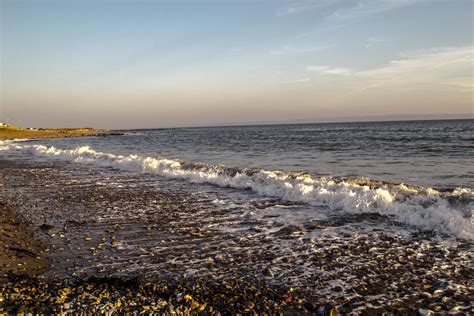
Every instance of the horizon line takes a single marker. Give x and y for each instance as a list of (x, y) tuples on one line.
[(454, 117), (328, 120)]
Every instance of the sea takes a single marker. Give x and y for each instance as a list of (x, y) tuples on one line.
[(416, 173)]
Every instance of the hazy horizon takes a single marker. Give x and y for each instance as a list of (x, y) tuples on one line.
[(329, 120), (152, 64)]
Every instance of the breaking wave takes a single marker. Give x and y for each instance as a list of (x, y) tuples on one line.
[(428, 209)]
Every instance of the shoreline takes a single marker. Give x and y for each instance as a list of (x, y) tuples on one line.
[(125, 245), (24, 288)]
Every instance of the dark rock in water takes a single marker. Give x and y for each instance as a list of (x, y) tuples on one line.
[(110, 134), (289, 230), (309, 225), (73, 223)]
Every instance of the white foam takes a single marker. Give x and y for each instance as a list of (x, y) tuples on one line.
[(426, 209)]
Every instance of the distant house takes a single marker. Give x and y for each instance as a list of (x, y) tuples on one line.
[(4, 124)]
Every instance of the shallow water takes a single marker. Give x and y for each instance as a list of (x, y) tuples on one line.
[(435, 154), (331, 169)]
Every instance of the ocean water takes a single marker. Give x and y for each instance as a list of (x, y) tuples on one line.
[(418, 173)]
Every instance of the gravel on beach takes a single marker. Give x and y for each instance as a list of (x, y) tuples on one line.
[(115, 242)]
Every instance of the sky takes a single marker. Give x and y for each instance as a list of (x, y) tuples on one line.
[(145, 64)]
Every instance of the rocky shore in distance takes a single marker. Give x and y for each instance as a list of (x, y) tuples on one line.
[(12, 132)]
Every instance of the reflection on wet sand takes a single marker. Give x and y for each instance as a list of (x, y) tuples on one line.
[(100, 226)]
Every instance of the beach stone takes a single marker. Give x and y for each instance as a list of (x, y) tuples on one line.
[(268, 272)]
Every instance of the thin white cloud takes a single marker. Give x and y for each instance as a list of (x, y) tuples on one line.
[(301, 6), (325, 28), (344, 9), (237, 49), (326, 70), (366, 8), (285, 50), (448, 66), (464, 84), (299, 80), (372, 41), (442, 62), (336, 14)]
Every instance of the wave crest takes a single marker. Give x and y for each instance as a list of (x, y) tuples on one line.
[(428, 209)]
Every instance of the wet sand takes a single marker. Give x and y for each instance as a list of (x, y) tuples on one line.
[(123, 242), (19, 253)]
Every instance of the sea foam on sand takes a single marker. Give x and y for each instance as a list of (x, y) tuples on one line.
[(427, 209)]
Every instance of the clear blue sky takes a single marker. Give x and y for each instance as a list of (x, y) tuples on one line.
[(125, 64)]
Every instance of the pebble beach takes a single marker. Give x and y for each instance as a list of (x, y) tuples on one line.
[(179, 252)]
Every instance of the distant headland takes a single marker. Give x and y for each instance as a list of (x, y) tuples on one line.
[(13, 132)]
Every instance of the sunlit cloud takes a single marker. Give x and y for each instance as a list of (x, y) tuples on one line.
[(299, 80), (442, 63), (449, 66), (326, 70), (465, 84)]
